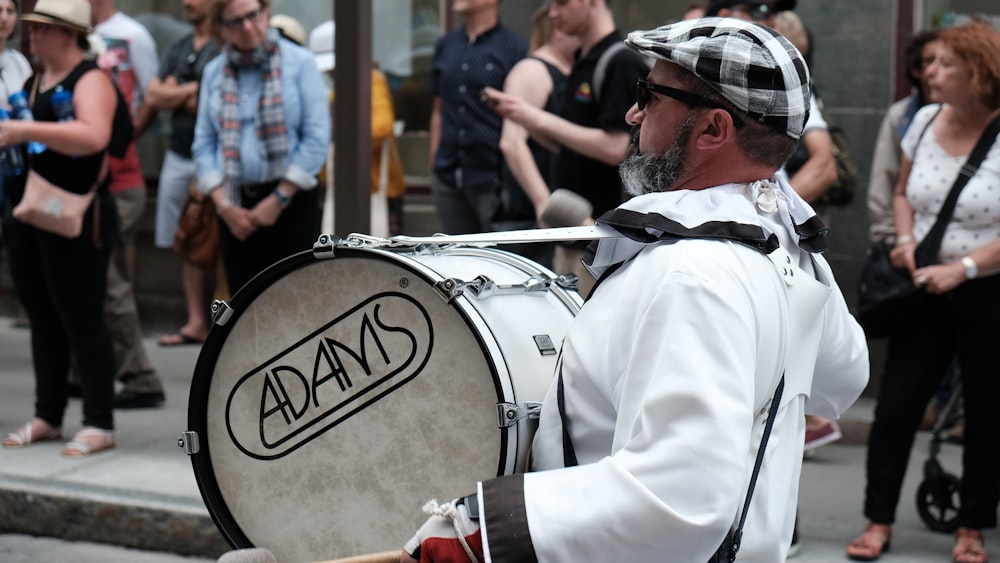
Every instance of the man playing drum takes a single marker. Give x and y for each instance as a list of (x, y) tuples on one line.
[(714, 298)]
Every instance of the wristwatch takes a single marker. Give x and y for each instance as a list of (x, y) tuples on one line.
[(971, 270), (283, 198)]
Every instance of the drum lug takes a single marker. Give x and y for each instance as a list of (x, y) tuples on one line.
[(509, 414), (483, 287), (325, 246), (568, 281), (449, 289), (221, 312), (188, 441)]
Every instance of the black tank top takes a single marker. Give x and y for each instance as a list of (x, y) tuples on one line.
[(74, 173), (515, 203)]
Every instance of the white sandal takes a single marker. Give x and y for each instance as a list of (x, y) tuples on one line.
[(88, 441), (25, 435)]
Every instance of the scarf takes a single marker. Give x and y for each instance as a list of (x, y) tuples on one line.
[(269, 120)]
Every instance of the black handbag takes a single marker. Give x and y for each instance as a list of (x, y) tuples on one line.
[(887, 297)]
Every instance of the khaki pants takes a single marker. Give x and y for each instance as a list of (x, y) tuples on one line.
[(132, 366)]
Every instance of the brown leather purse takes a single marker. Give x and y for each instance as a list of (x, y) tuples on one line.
[(197, 237)]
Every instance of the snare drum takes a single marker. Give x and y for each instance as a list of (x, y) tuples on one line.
[(342, 388)]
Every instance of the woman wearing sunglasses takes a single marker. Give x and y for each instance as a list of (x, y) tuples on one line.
[(262, 134)]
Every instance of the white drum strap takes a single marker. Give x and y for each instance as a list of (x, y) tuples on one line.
[(503, 237), (808, 293)]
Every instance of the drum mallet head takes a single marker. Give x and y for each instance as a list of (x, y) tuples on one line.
[(567, 209), (249, 555)]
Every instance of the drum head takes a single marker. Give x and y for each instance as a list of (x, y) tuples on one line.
[(339, 397)]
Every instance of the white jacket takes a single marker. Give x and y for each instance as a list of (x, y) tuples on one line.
[(669, 370)]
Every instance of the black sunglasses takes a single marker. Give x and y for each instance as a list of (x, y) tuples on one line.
[(644, 89)]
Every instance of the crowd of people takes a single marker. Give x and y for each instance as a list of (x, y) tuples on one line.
[(710, 173), (78, 292)]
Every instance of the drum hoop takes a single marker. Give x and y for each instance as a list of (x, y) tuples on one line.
[(201, 461)]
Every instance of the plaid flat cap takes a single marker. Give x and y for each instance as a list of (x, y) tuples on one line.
[(751, 65)]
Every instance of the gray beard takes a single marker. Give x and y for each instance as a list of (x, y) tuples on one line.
[(648, 173)]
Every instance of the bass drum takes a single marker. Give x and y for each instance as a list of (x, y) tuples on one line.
[(342, 388)]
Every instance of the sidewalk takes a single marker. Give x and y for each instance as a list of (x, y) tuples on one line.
[(144, 493)]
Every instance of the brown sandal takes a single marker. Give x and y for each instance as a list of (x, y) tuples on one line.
[(871, 544), (969, 547)]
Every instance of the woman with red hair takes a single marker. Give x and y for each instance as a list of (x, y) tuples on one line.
[(961, 314)]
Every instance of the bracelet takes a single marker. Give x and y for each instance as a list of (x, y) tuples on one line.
[(905, 239), (283, 198)]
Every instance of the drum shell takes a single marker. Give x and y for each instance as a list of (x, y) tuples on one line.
[(349, 476)]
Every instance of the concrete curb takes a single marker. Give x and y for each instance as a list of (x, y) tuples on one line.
[(105, 515), (95, 514)]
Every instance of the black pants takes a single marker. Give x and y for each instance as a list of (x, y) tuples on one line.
[(296, 230), (963, 323), (61, 283)]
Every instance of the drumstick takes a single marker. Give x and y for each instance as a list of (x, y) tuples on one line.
[(384, 557)]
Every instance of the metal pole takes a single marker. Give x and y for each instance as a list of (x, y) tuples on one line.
[(352, 117)]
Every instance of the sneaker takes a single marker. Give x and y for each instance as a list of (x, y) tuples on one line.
[(796, 546), (821, 435)]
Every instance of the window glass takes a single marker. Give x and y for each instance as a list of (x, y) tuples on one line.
[(403, 37)]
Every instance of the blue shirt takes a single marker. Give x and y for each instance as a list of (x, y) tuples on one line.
[(468, 154), (304, 98)]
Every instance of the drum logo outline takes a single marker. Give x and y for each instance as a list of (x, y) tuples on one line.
[(329, 375)]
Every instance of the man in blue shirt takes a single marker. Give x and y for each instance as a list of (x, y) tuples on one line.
[(465, 132)]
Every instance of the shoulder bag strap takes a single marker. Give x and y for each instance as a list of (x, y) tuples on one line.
[(927, 250), (101, 175)]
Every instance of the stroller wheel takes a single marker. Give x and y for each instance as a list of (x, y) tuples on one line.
[(938, 502)]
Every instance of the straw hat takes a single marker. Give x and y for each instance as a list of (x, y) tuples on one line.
[(71, 14), (290, 27)]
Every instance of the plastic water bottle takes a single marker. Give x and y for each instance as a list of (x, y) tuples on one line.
[(11, 161), (62, 102), (21, 110)]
